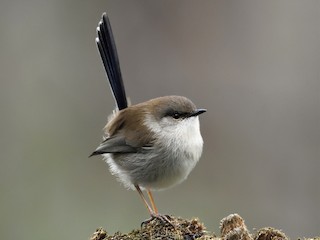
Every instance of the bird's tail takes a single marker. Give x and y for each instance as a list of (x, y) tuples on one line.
[(108, 52)]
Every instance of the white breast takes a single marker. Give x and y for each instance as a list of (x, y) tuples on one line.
[(183, 144)]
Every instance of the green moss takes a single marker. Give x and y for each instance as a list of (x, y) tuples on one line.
[(232, 227), (157, 229)]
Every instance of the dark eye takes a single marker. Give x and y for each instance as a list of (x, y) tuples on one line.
[(176, 115)]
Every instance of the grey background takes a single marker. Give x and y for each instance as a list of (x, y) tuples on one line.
[(253, 64)]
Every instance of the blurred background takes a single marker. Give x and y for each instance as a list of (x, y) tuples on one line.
[(253, 64)]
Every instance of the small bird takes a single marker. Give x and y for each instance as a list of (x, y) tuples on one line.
[(151, 145)]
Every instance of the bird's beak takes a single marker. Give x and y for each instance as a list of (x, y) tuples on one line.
[(198, 112)]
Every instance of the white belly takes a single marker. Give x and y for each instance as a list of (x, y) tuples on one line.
[(168, 163)]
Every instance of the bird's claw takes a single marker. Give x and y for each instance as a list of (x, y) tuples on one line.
[(163, 218)]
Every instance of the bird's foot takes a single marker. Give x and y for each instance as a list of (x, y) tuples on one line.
[(163, 218)]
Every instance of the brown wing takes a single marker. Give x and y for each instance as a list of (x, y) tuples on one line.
[(126, 133)]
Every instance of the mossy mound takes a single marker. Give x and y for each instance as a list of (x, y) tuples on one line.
[(232, 227)]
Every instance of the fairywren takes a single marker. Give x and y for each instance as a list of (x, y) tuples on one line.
[(151, 145)]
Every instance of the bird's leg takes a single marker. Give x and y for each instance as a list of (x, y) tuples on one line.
[(144, 200), (155, 210)]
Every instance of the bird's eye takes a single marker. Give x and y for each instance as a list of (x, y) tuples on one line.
[(176, 115)]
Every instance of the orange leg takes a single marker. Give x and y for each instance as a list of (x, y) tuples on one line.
[(152, 201), (153, 211), (144, 200)]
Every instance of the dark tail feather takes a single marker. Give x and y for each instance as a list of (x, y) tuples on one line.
[(108, 52)]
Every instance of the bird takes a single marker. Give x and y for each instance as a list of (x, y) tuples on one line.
[(151, 145)]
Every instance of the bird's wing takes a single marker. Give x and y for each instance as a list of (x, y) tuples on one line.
[(115, 144)]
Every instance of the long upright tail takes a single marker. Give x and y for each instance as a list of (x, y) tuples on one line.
[(108, 52)]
